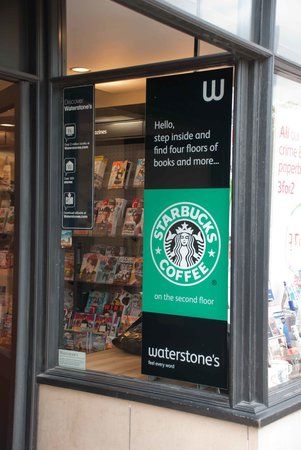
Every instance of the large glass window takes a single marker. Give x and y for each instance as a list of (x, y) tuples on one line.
[(232, 15), (284, 298), (288, 33), (119, 37), (103, 266)]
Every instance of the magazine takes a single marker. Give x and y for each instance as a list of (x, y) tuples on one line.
[(102, 324), (131, 312), (98, 342), (10, 220), (120, 174), (133, 222), (6, 259), (68, 298), (115, 250), (124, 269), (66, 239), (89, 267), (3, 217), (101, 249), (100, 164), (114, 330), (109, 216), (68, 319), (107, 268), (136, 276), (6, 333), (134, 306), (68, 340), (96, 302), (139, 174), (112, 310), (83, 322), (69, 266), (81, 232), (81, 342)]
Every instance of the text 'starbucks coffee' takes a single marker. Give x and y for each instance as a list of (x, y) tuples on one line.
[(185, 243)]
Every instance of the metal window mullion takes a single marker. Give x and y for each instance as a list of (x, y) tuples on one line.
[(250, 233), (169, 15), (263, 23)]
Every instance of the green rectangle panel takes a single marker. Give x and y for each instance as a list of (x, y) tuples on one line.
[(186, 252)]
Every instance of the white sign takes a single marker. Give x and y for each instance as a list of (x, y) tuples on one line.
[(72, 359)]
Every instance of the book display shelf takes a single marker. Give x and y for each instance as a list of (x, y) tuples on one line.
[(103, 266)]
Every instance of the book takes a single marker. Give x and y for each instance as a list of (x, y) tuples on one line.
[(120, 174), (69, 266), (83, 322), (96, 302), (89, 267), (107, 268), (139, 174), (123, 270), (100, 164), (133, 222)]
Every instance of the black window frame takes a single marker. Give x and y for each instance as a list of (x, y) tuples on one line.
[(249, 401)]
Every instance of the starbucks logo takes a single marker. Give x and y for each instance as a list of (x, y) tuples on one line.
[(185, 244)]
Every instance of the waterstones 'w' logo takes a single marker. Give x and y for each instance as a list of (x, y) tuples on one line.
[(213, 95), (185, 244)]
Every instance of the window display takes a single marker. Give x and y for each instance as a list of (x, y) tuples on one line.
[(103, 266), (284, 296)]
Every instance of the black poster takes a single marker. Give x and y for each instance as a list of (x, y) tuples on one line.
[(189, 349), (186, 227), (78, 157), (188, 130)]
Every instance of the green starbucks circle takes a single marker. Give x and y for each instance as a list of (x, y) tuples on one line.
[(185, 244)]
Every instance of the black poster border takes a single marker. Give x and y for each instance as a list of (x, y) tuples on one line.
[(93, 157)]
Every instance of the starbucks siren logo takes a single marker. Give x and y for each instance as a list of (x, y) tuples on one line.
[(185, 244)]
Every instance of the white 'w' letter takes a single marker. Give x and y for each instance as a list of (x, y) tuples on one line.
[(213, 96)]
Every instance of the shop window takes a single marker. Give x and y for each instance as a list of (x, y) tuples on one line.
[(287, 32), (103, 266), (232, 15), (104, 35), (284, 295)]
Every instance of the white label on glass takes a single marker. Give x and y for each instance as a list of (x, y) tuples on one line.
[(72, 359)]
